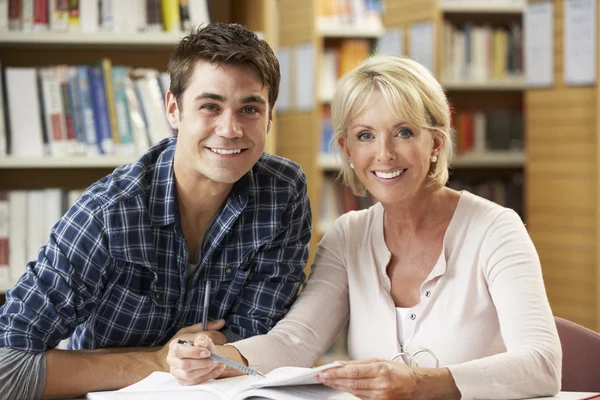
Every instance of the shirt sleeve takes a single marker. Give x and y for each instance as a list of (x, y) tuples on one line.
[(62, 287), (22, 374), (276, 272), (532, 364), (315, 319)]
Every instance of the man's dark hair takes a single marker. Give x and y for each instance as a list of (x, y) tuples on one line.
[(221, 43)]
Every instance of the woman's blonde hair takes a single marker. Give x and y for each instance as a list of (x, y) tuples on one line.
[(411, 91)]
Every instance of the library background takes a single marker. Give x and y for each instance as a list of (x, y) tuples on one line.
[(83, 92)]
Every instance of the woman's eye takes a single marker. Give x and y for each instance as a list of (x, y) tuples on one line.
[(363, 136), (405, 133)]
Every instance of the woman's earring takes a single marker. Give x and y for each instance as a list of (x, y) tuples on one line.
[(434, 158), (351, 165)]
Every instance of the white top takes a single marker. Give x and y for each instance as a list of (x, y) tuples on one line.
[(483, 309), (401, 315)]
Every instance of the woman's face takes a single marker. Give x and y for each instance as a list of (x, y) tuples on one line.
[(390, 157)]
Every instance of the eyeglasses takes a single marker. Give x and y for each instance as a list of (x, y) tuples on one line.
[(411, 357)]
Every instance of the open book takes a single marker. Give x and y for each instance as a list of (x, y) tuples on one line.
[(287, 383)]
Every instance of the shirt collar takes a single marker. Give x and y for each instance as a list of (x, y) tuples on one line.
[(163, 205)]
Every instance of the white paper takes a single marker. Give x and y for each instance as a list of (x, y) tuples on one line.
[(539, 44), (421, 43), (293, 383), (284, 101), (580, 42), (391, 42), (305, 76)]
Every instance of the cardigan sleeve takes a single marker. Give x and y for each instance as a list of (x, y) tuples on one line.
[(532, 364)]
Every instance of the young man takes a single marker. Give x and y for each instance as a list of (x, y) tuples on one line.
[(125, 269)]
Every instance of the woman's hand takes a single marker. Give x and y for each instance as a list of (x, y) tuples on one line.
[(381, 379), (372, 379)]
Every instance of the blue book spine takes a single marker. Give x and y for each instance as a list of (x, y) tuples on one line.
[(86, 110), (119, 74), (77, 115), (101, 119)]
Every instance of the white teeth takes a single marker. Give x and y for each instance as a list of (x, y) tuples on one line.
[(226, 152), (389, 175)]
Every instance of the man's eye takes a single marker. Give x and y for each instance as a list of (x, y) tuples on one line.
[(209, 107), (249, 110)]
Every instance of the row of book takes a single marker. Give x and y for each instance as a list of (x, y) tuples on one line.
[(102, 15), (493, 130), (26, 218), (339, 13), (83, 110), (337, 199), (338, 60), (484, 2), (506, 192), (474, 131), (482, 52)]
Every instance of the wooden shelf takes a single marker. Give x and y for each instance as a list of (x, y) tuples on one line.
[(478, 7), (112, 39), (500, 159), (91, 39), (333, 30), (491, 85), (65, 162)]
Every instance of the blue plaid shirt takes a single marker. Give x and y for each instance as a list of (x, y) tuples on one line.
[(113, 273)]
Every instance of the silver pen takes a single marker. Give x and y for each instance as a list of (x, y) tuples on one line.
[(228, 362)]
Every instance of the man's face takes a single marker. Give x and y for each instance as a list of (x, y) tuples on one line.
[(222, 123)]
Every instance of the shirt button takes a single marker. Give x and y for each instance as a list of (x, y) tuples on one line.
[(157, 296), (227, 270), (413, 316), (428, 293)]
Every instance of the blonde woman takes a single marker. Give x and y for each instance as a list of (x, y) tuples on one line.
[(443, 290)]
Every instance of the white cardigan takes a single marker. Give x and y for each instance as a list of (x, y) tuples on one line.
[(483, 311)]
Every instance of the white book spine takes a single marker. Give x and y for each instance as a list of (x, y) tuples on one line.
[(107, 17), (27, 15), (3, 15), (17, 246), (89, 16), (24, 108), (54, 113), (198, 12)]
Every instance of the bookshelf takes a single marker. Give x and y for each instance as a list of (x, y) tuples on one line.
[(299, 130), (475, 86), (136, 50), (563, 155)]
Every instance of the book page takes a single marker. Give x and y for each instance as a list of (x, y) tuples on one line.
[(285, 376), (302, 392), (165, 382)]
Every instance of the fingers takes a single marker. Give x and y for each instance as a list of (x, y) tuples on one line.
[(204, 341), (191, 364), (215, 325), (196, 328), (196, 376), (352, 370)]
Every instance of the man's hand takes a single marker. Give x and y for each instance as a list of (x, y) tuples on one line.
[(190, 333)]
